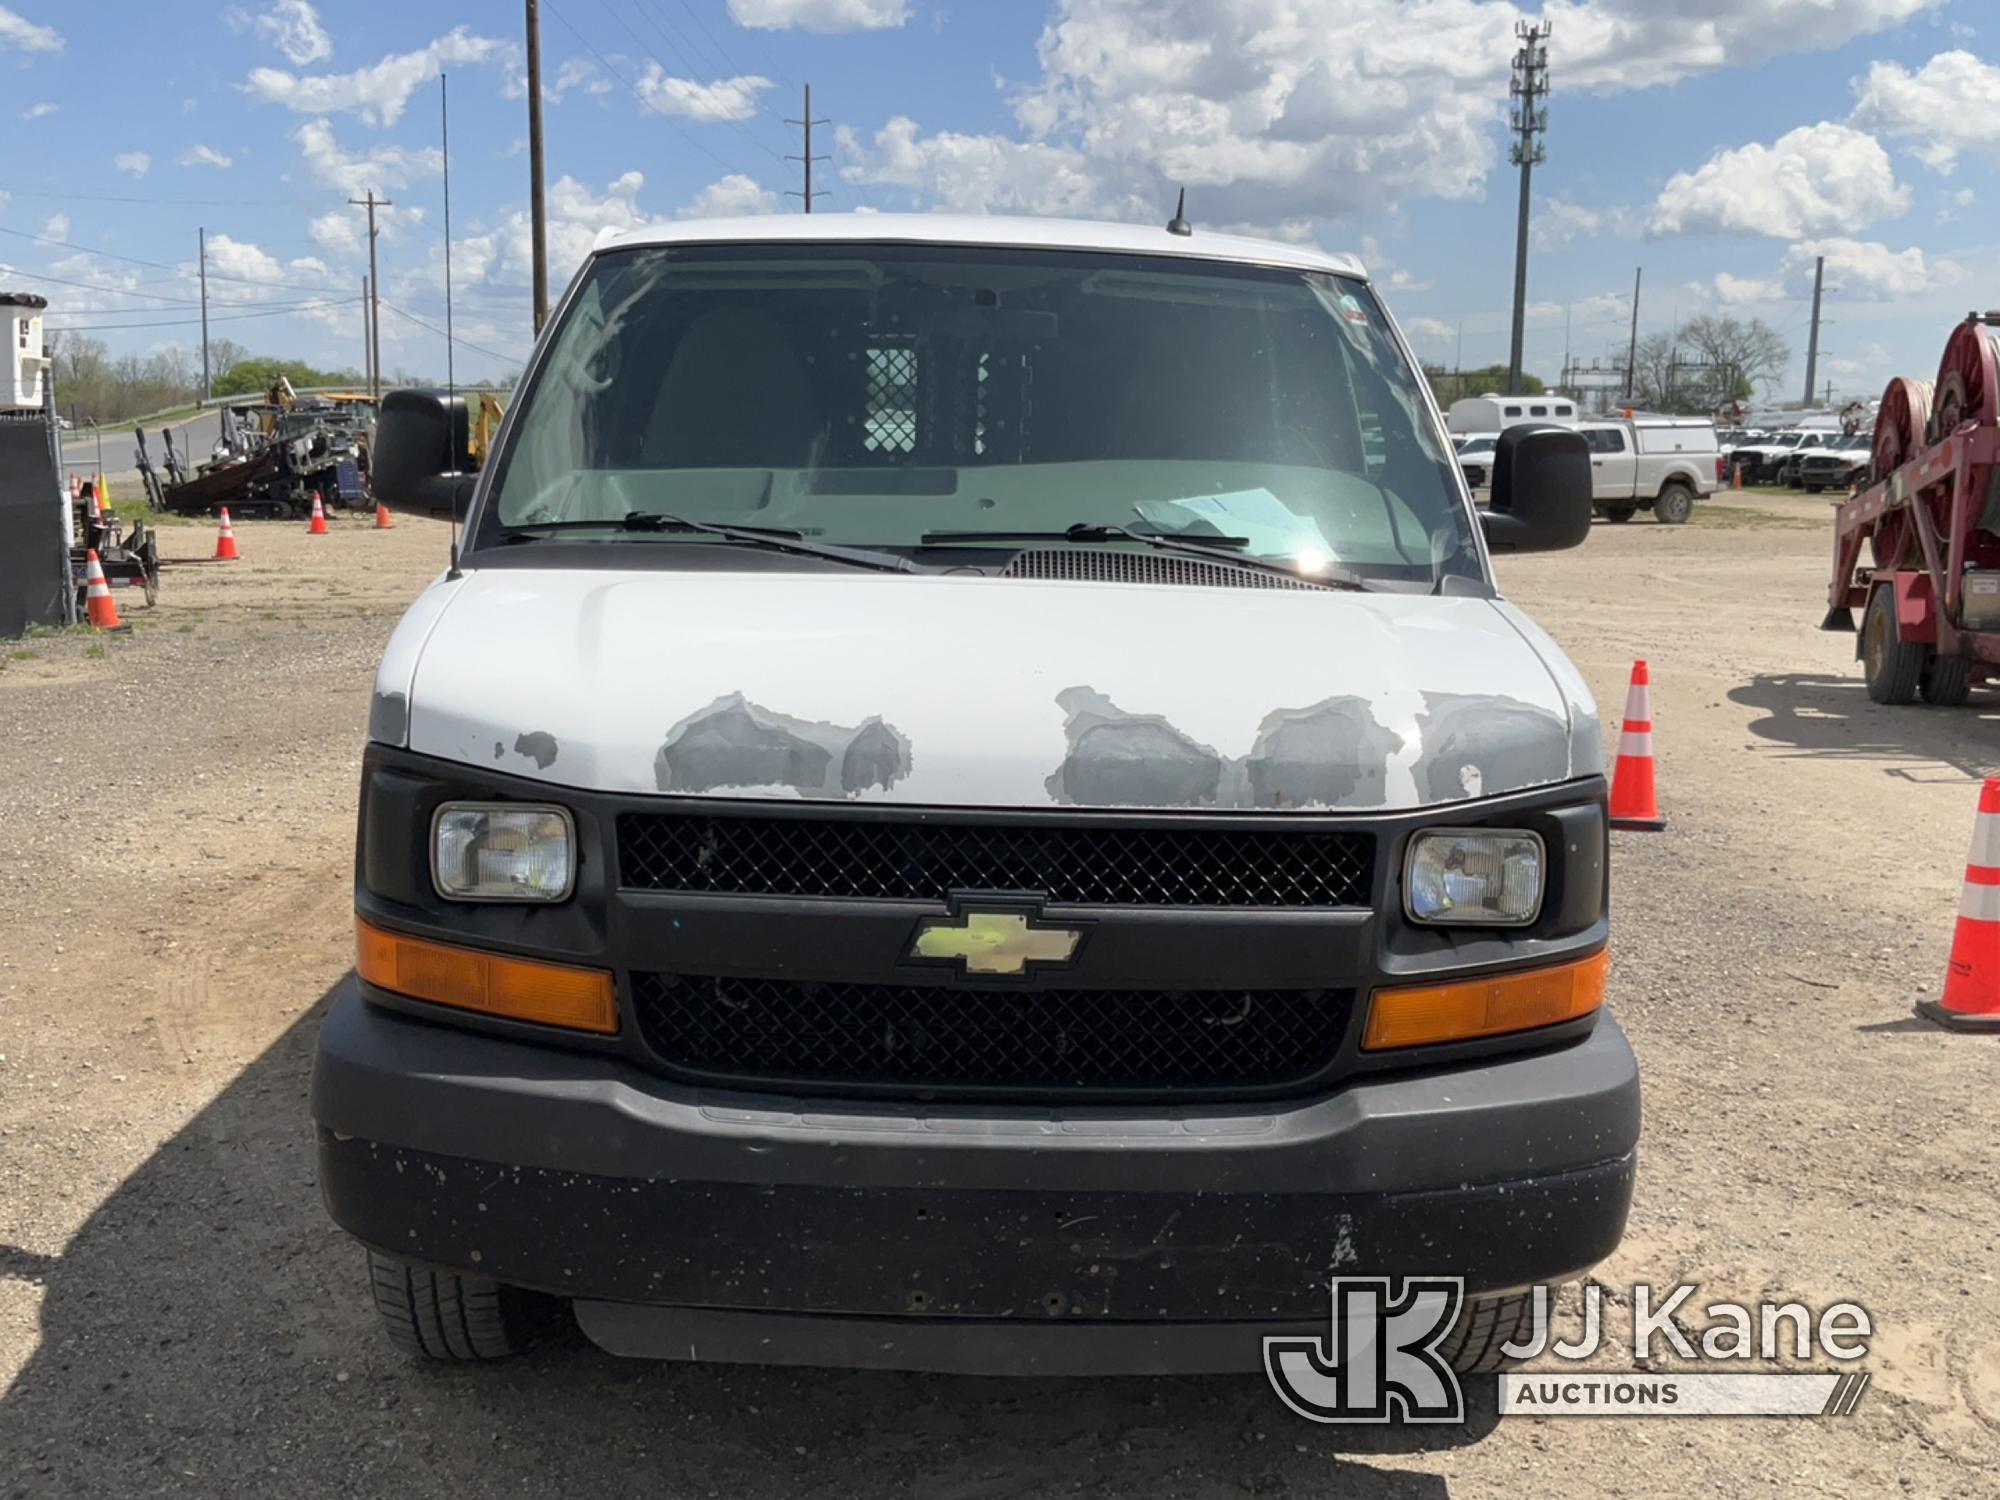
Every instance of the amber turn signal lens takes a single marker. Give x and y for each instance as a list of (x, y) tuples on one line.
[(494, 984), (1420, 1015)]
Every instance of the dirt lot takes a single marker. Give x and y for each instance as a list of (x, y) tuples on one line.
[(177, 1317)]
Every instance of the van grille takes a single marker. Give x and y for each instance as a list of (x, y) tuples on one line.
[(887, 1037), (895, 860)]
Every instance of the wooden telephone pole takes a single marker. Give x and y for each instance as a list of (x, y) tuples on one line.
[(371, 202)]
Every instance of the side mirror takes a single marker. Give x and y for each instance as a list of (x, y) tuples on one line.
[(420, 458), (1541, 490)]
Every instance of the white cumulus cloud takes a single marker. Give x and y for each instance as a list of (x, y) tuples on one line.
[(731, 197), (820, 15), (577, 73), (1809, 181), (1869, 271), (38, 111), (1280, 110), (17, 31), (206, 156), (1949, 105), (1556, 221), (378, 168), (380, 92), (138, 163), (687, 98), (975, 173), (295, 29), (1736, 290)]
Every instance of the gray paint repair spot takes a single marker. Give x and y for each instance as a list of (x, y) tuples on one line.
[(539, 746), (1477, 745), (736, 743), (389, 718), (877, 756), (1118, 759), (1333, 754)]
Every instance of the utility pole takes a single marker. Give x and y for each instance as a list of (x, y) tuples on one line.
[(367, 340), (201, 241), (374, 295), (1812, 340), (808, 159), (1529, 86), (1632, 348), (538, 214)]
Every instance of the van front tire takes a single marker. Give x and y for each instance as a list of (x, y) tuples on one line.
[(431, 1314), (1484, 1324)]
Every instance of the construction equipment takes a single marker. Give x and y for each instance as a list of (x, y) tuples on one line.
[(127, 560), (275, 453), (1930, 515)]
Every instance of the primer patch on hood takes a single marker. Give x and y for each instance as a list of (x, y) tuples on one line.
[(1331, 754), (1480, 745), (1118, 759), (736, 744)]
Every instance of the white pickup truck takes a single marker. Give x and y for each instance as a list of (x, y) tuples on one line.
[(1661, 464)]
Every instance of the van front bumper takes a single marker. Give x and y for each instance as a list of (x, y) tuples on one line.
[(698, 1224)]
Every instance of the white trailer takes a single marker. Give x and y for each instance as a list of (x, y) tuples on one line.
[(1494, 413)]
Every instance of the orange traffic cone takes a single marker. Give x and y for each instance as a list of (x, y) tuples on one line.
[(91, 512), (382, 521), (225, 540), (1971, 997), (318, 527), (98, 604), (1634, 802)]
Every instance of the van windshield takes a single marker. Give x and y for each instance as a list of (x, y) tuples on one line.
[(877, 396)]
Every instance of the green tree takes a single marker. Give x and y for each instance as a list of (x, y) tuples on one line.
[(1452, 385)]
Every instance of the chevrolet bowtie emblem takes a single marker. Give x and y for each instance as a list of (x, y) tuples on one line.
[(994, 942)]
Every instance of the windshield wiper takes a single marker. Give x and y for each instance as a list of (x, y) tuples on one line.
[(773, 538), (1193, 546)]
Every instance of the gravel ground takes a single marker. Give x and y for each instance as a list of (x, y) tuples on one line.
[(177, 1316)]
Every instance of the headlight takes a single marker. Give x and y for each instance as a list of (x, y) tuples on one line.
[(1478, 877), (503, 851)]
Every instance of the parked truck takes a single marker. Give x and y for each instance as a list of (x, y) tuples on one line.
[(1661, 464)]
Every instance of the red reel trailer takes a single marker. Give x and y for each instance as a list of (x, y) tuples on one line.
[(1930, 590)]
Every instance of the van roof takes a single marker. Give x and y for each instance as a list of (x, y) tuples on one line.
[(986, 229)]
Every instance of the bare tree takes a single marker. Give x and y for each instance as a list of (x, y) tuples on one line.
[(1743, 355)]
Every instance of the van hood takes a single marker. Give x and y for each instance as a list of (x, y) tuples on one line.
[(962, 690)]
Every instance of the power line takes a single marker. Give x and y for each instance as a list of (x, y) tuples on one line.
[(276, 312), (92, 286), (70, 197), (157, 265), (461, 339), (605, 63)]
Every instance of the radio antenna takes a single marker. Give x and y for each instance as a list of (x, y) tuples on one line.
[(450, 368)]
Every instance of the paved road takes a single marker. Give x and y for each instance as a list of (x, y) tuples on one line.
[(192, 438)]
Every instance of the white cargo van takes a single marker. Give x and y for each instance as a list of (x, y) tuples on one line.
[(1661, 464), (970, 801)]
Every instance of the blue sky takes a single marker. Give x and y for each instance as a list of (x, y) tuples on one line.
[(1720, 144)]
